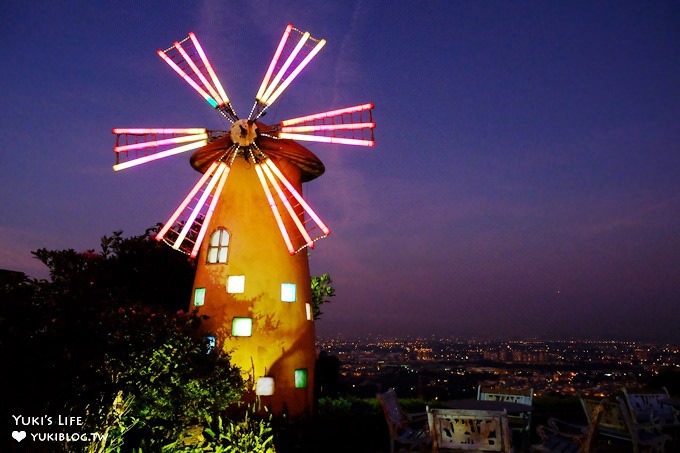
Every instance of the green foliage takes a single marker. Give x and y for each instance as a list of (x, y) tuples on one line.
[(103, 339), (247, 433), (322, 290)]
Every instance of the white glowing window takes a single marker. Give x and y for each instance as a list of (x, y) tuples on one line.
[(236, 284), (308, 309), (265, 386), (199, 297), (288, 292), (218, 248), (242, 327)]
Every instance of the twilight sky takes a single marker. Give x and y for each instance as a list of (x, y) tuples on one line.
[(525, 181)]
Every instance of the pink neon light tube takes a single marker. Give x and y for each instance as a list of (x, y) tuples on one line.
[(275, 59), (161, 155), (295, 73), (316, 116), (284, 68), (298, 197), (199, 205), (166, 141), (211, 209), (185, 202), (188, 79), (289, 208), (275, 210), (322, 139), (144, 131), (327, 127), (208, 66), (198, 72)]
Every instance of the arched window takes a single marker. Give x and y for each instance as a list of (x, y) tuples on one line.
[(218, 249)]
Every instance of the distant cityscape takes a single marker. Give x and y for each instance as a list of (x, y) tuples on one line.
[(445, 368)]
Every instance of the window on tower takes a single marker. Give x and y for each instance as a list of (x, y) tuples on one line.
[(301, 378), (199, 297), (218, 248), (288, 292), (242, 327), (236, 284)]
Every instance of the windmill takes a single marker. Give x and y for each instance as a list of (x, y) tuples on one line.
[(245, 220)]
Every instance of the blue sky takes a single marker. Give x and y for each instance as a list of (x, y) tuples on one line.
[(525, 178)]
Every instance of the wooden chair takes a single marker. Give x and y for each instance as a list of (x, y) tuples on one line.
[(649, 407), (409, 430), (612, 423), (645, 437), (519, 422), (616, 422), (562, 437), (469, 430)]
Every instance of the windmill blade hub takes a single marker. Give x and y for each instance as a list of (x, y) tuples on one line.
[(243, 132)]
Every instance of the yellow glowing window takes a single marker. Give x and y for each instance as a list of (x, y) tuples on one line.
[(308, 310), (199, 297), (288, 292), (301, 378), (236, 284), (242, 327), (218, 248)]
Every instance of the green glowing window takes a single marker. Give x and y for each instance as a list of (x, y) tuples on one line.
[(242, 327), (218, 248), (301, 378), (199, 297), (288, 292), (236, 284)]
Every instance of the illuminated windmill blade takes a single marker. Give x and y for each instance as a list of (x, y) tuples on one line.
[(286, 202), (185, 229), (139, 146), (188, 59), (295, 50), (349, 126)]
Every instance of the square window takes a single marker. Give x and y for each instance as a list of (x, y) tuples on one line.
[(288, 292), (236, 284), (308, 309), (242, 327), (301, 378), (199, 297), (265, 386)]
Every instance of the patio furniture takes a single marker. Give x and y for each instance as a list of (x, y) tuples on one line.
[(469, 430), (562, 437), (408, 430), (616, 422), (645, 437), (652, 407), (519, 421)]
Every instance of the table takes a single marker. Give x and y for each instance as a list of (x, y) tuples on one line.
[(487, 405)]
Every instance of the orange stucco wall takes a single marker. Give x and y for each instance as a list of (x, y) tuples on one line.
[(282, 337)]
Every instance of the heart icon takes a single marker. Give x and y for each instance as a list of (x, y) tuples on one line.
[(19, 435)]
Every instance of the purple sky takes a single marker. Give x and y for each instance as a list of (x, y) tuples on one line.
[(525, 182)]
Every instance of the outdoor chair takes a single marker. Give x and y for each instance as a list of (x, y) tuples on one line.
[(469, 430), (562, 437), (616, 422), (408, 430), (518, 422), (645, 437), (649, 407)]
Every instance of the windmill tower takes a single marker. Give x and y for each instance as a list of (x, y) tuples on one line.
[(246, 222)]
